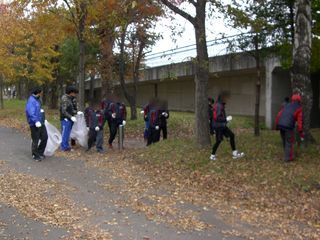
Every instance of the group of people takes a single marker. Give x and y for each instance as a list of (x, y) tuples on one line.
[(96, 116), (289, 121), (155, 115)]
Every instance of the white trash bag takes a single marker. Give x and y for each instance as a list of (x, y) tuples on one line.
[(54, 139), (79, 131)]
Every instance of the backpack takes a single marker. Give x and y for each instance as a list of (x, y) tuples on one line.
[(153, 117)]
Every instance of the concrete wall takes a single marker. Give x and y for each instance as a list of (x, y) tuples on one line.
[(180, 93)]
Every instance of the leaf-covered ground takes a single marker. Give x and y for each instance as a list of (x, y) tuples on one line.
[(278, 200)]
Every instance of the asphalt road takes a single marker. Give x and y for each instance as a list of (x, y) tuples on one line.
[(87, 192)]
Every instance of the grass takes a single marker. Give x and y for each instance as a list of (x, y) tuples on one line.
[(263, 162)]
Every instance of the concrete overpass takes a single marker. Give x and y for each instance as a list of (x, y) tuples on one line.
[(233, 72)]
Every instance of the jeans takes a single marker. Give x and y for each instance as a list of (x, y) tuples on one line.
[(95, 137), (66, 126)]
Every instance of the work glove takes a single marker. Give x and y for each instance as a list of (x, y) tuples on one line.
[(165, 114), (42, 111), (73, 119), (157, 128), (97, 129), (46, 121), (142, 112), (88, 128), (113, 115), (79, 113), (229, 118), (124, 122), (301, 136), (38, 124)]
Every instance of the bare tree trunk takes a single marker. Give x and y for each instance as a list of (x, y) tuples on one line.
[(1, 92), (258, 88), (201, 65), (81, 77), (91, 91), (54, 95), (106, 63), (301, 82), (201, 77), (122, 72)]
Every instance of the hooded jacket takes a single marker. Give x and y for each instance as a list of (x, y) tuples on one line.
[(289, 115)]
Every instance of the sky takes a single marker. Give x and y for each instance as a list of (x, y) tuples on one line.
[(215, 27)]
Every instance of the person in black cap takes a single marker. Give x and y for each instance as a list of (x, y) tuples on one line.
[(68, 114), (36, 119)]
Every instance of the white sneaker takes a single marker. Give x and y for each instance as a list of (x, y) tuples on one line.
[(213, 157), (236, 154)]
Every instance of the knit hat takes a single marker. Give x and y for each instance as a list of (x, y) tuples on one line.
[(296, 98)]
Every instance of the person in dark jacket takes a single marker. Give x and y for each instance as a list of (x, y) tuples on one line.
[(220, 121), (164, 116), (153, 119), (117, 113), (145, 112), (68, 114), (289, 116), (36, 120), (95, 122)]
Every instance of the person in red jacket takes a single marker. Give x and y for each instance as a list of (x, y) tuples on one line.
[(287, 119)]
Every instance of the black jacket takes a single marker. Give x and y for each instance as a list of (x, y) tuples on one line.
[(219, 114)]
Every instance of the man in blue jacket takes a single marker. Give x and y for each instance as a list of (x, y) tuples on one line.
[(36, 120)]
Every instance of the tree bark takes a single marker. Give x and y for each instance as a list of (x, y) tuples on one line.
[(201, 77), (54, 95), (81, 77), (1, 92), (258, 88), (91, 91), (107, 62), (301, 82), (122, 71), (202, 68)]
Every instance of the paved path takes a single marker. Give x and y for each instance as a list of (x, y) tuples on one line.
[(87, 193)]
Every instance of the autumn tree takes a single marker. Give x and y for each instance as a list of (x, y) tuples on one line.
[(198, 20), (135, 37), (78, 10)]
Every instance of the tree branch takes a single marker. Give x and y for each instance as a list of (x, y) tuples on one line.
[(194, 3), (177, 10), (73, 17)]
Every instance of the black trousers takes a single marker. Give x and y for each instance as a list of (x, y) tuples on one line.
[(113, 129), (164, 130), (220, 133), (38, 135), (153, 136), (95, 137), (288, 140)]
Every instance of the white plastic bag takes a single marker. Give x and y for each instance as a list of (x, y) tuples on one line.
[(79, 131), (54, 139)]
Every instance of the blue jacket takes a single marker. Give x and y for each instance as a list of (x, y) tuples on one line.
[(33, 111)]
